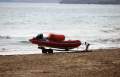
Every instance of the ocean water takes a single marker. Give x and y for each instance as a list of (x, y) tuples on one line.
[(97, 24)]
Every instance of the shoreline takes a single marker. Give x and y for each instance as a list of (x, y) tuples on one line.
[(97, 63), (35, 52)]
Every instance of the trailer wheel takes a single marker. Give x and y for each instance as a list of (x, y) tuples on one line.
[(66, 49), (44, 50), (50, 51)]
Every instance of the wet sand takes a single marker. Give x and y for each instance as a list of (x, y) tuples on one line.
[(97, 63)]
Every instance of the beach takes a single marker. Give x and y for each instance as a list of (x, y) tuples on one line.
[(96, 24), (95, 63)]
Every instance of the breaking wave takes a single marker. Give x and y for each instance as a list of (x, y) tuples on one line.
[(112, 30), (5, 37), (108, 40), (24, 42)]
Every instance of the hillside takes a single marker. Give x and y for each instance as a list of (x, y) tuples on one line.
[(90, 1)]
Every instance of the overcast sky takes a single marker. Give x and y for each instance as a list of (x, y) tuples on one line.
[(29, 0), (66, 1)]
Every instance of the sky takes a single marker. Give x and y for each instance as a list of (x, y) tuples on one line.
[(57, 1), (29, 1)]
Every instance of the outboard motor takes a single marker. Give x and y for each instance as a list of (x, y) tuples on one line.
[(39, 36)]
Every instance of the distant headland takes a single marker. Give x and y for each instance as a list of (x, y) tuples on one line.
[(90, 2)]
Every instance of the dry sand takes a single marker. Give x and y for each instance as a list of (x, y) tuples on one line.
[(98, 63)]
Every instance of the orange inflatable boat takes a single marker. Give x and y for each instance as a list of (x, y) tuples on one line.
[(69, 44), (55, 41), (56, 37)]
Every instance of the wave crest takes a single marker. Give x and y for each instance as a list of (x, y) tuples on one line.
[(110, 40), (25, 42), (5, 37)]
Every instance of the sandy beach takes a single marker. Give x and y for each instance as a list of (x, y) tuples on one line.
[(97, 63)]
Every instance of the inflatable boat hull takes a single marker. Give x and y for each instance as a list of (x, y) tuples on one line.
[(69, 44)]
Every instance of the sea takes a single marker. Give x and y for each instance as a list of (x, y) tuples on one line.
[(96, 24)]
